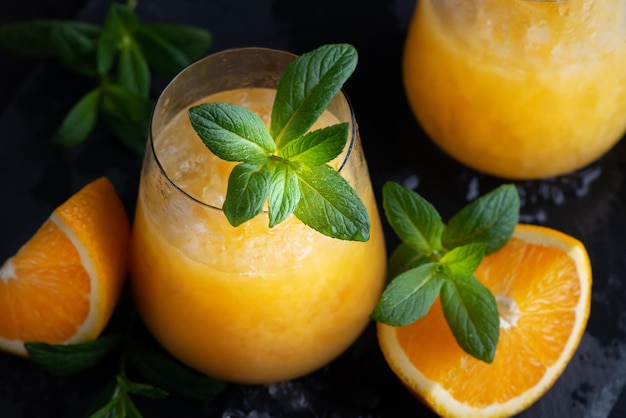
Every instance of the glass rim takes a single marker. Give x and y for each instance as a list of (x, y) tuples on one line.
[(350, 142)]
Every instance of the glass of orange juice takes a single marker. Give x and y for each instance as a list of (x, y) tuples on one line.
[(515, 88), (247, 304)]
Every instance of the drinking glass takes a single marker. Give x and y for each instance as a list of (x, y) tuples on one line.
[(247, 304), (515, 88)]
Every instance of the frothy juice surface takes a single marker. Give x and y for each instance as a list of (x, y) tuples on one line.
[(248, 304), (515, 88)]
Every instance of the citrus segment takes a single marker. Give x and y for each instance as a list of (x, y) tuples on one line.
[(63, 284), (541, 280)]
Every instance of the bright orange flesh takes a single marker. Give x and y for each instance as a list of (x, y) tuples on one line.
[(63, 284), (541, 280)]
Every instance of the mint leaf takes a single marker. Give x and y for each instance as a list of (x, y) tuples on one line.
[(451, 254), (120, 406), (490, 219), (133, 71), (409, 296), (329, 205), (231, 132), (464, 260), (79, 122), (110, 39), (127, 115), (300, 181), (94, 50), (471, 312), (74, 48), (119, 24), (116, 401), (248, 187), (126, 408), (317, 147), (307, 87), (143, 389), (403, 258), (161, 370), (170, 47), (107, 411), (284, 194), (43, 38), (416, 222), (72, 358)]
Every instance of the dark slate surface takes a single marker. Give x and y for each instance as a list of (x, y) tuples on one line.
[(36, 177)]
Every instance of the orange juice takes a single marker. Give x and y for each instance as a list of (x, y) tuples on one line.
[(246, 304), (519, 89)]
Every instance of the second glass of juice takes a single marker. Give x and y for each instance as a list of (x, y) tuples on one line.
[(246, 304), (519, 89)]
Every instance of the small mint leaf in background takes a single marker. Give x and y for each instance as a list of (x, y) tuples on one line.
[(284, 193), (110, 39), (319, 146), (416, 222), (161, 370), (108, 410), (142, 389), (330, 205), (403, 258), (248, 187), (122, 406), (75, 47), (233, 133), (169, 48), (115, 401), (31, 39), (490, 219), (119, 24), (127, 409), (306, 88), (127, 115), (72, 358), (35, 38), (409, 296), (93, 50), (472, 314), (464, 260), (79, 122), (127, 17), (133, 72), (105, 401)]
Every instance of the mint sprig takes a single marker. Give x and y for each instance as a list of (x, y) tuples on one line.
[(121, 54), (437, 259), (144, 369), (287, 165)]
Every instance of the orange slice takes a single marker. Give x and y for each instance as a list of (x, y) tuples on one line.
[(62, 285), (542, 282)]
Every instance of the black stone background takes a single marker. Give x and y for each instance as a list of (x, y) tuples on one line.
[(35, 178)]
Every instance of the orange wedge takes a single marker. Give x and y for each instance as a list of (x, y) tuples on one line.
[(542, 282), (62, 285)]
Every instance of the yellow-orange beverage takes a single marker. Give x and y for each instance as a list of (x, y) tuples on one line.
[(519, 89), (246, 304)]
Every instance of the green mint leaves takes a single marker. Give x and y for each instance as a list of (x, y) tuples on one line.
[(121, 55), (437, 259), (145, 370), (287, 165)]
